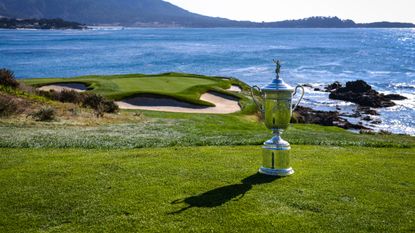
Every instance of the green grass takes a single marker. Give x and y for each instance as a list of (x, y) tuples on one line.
[(25, 95), (158, 129), (185, 87), (204, 189)]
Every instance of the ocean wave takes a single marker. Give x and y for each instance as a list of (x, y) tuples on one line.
[(379, 73), (404, 39), (402, 125), (282, 47), (249, 69), (410, 74), (311, 86), (402, 86), (319, 67), (106, 28), (27, 29)]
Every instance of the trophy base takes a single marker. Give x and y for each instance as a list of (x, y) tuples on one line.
[(276, 172), (276, 157)]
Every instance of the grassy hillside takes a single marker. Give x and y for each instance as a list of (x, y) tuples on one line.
[(204, 189), (124, 12), (185, 87)]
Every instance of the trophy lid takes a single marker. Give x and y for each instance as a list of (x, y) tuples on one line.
[(277, 84)]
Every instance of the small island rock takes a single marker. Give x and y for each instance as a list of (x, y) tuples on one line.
[(361, 93)]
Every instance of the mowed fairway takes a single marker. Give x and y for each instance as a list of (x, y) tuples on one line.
[(204, 189)]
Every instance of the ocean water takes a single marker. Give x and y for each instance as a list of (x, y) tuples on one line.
[(385, 58)]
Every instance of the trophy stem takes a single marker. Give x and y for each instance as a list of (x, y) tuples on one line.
[(277, 134)]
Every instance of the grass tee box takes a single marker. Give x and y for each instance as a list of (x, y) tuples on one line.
[(185, 87), (206, 189)]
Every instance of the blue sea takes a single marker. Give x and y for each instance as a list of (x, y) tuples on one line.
[(385, 58)]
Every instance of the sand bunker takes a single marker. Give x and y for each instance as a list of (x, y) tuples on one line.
[(234, 88), (78, 87), (224, 104)]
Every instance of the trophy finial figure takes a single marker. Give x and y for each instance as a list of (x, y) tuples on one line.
[(278, 67)]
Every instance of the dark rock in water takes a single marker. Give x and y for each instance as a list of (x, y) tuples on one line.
[(317, 89), (307, 85), (361, 93), (395, 97), (376, 122), (367, 110), (385, 132), (347, 125), (358, 86), (334, 86), (310, 116), (367, 118), (355, 114)]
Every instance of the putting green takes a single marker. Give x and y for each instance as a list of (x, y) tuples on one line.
[(184, 87)]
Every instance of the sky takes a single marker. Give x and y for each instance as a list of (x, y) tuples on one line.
[(361, 11)]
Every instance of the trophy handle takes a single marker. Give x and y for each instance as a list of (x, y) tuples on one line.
[(261, 108), (301, 97)]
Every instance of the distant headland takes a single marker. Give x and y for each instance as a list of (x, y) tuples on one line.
[(333, 22), (157, 13), (11, 23), (312, 22)]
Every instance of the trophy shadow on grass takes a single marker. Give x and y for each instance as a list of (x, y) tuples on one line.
[(221, 195)]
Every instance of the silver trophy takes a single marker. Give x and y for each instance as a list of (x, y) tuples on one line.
[(276, 108)]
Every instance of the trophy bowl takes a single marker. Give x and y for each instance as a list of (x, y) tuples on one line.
[(276, 108)]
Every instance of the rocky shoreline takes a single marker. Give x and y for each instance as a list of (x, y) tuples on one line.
[(359, 92), (307, 115)]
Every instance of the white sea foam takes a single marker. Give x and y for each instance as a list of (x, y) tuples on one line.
[(244, 70), (402, 86), (404, 39), (284, 47), (27, 29), (379, 73), (106, 28)]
